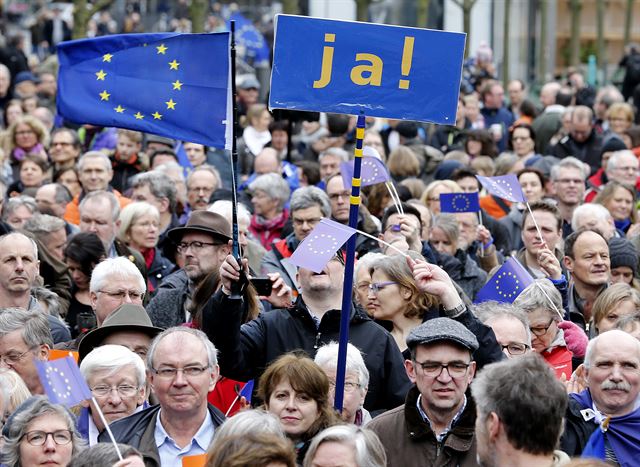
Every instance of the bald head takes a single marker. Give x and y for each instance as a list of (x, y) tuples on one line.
[(267, 161), (548, 93)]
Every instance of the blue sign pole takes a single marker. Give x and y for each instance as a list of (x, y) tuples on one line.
[(347, 290)]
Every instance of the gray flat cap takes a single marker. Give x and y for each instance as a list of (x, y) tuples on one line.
[(442, 329)]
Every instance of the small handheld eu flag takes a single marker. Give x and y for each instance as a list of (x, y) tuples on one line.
[(459, 202), (506, 284)]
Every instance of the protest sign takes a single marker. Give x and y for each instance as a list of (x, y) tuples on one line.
[(352, 67)]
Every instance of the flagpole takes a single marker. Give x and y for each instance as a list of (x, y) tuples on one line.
[(347, 292), (106, 426), (236, 287), (535, 223)]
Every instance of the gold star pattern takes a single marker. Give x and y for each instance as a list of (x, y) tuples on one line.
[(177, 85), (107, 58), (162, 49), (104, 96), (138, 116), (101, 75), (119, 109), (170, 104), (157, 115), (174, 65)]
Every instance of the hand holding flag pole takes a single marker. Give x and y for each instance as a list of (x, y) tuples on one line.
[(238, 286)]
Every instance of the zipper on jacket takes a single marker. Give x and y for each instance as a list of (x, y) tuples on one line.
[(316, 346)]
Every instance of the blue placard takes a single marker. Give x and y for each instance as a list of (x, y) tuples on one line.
[(384, 71)]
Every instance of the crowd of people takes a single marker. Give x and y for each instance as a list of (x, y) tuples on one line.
[(112, 248)]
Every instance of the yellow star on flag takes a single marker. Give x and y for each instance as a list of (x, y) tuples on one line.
[(162, 49), (170, 104), (157, 115), (138, 116), (104, 96), (119, 109), (107, 58), (174, 64), (177, 85), (101, 75)]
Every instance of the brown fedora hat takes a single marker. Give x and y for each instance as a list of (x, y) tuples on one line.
[(207, 222), (127, 317)]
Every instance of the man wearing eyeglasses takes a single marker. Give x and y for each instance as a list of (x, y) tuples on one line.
[(116, 377), (24, 338), (435, 425), (203, 244), (182, 369), (510, 325)]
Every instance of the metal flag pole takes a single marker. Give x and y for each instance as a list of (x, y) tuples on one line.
[(347, 291), (236, 287)]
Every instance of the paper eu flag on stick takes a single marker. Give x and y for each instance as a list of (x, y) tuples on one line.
[(372, 172), (175, 85), (62, 381), (459, 202), (505, 187), (506, 284), (321, 245)]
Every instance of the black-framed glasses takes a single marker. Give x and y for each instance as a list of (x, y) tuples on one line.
[(195, 246), (434, 369), (38, 438), (167, 372), (515, 348), (541, 330), (376, 287), (124, 390)]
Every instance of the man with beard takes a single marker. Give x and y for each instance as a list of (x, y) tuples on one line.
[(503, 438), (203, 243), (602, 421), (201, 183), (568, 182)]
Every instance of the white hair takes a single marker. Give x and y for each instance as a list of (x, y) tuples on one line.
[(224, 207), (589, 209), (115, 268), (327, 357), (112, 358)]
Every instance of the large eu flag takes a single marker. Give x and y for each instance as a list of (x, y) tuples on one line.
[(174, 85)]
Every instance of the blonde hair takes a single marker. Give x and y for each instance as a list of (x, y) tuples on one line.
[(402, 162), (610, 298), (431, 187), (131, 213), (14, 391)]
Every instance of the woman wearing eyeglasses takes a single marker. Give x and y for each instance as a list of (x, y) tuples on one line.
[(40, 433), (140, 229), (561, 343), (395, 298)]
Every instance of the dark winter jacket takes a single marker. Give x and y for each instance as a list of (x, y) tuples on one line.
[(247, 349), (137, 430)]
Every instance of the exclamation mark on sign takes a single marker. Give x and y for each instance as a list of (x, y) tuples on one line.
[(407, 57)]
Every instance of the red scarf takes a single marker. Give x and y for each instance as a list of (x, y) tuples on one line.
[(268, 231)]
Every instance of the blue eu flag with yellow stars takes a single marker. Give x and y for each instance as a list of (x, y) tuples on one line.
[(459, 202), (506, 284), (62, 381), (174, 85)]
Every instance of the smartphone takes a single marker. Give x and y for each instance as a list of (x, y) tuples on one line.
[(262, 285)]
